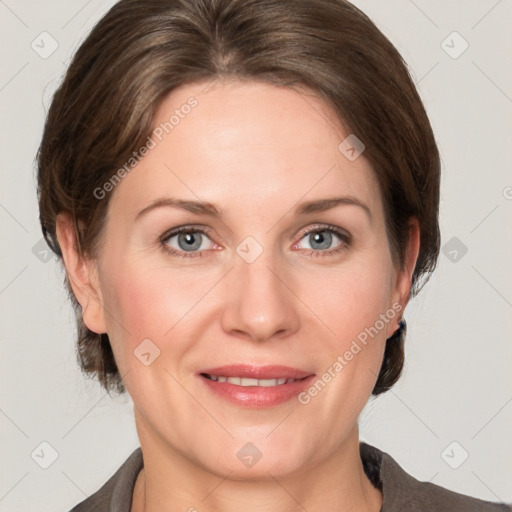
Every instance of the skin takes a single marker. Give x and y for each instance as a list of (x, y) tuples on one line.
[(256, 151)]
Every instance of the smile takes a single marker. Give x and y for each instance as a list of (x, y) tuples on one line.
[(255, 387), (247, 382)]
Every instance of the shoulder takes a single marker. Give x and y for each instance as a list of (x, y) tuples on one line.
[(116, 494), (402, 491)]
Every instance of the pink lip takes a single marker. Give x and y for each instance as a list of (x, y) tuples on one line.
[(257, 397)]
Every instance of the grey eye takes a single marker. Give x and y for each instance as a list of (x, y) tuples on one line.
[(189, 241), (320, 240)]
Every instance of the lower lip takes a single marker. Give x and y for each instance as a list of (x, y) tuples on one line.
[(257, 397)]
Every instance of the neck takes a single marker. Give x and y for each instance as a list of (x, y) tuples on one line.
[(171, 482)]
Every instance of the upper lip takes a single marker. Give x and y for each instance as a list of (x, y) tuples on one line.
[(257, 372)]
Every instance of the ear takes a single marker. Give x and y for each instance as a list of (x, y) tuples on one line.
[(83, 275), (402, 287)]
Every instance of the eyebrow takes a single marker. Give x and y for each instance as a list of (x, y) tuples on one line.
[(206, 208), (321, 205)]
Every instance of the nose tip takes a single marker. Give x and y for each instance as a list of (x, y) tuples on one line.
[(258, 305)]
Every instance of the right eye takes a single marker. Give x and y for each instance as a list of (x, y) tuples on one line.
[(186, 242)]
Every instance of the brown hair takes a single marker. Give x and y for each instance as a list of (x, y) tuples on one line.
[(143, 49)]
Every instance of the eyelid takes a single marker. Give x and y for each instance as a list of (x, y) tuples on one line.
[(319, 226), (188, 227)]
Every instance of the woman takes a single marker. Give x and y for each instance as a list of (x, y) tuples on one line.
[(193, 158)]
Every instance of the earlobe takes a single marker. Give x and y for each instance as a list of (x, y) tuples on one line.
[(82, 274)]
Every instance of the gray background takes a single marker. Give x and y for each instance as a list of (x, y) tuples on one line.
[(455, 397)]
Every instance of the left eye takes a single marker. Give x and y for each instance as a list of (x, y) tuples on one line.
[(322, 239)]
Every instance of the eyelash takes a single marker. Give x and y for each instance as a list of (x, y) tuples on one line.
[(345, 238)]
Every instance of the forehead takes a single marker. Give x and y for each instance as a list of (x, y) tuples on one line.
[(232, 141)]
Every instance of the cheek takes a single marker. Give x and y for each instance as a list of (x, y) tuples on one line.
[(355, 305), (350, 298), (146, 302), (351, 304)]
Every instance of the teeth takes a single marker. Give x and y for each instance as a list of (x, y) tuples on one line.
[(246, 381), (268, 382)]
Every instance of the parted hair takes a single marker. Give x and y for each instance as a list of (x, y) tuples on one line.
[(141, 50)]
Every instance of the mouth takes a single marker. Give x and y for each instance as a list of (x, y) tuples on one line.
[(249, 382), (256, 386)]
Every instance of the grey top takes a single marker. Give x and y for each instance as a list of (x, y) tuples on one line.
[(401, 492)]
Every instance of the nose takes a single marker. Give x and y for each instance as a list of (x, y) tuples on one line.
[(259, 302)]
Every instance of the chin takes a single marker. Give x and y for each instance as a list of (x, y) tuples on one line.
[(259, 457)]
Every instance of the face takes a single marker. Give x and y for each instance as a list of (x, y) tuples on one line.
[(267, 282)]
